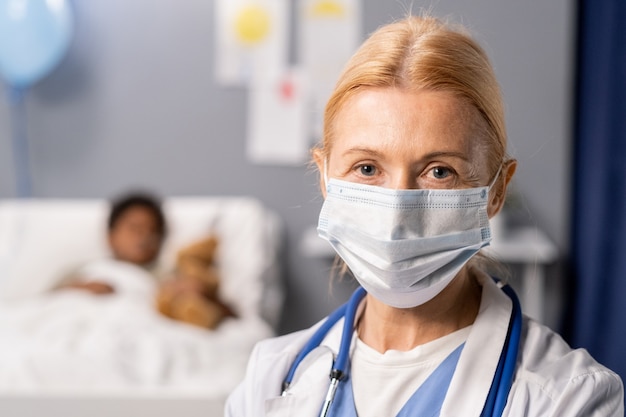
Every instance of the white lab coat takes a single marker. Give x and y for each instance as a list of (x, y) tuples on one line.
[(551, 379)]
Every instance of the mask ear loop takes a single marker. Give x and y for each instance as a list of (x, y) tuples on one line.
[(325, 173), (495, 178), (493, 182)]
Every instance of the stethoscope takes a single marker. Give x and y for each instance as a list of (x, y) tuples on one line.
[(500, 386)]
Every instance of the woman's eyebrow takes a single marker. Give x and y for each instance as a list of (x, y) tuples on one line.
[(368, 151), (454, 154), (431, 155)]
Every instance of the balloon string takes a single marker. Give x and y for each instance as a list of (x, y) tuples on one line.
[(21, 158)]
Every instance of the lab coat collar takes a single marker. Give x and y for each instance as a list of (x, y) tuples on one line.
[(478, 362), (310, 383)]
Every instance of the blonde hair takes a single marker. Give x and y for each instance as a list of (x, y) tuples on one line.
[(424, 53)]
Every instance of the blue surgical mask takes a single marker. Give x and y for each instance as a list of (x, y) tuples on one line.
[(404, 246)]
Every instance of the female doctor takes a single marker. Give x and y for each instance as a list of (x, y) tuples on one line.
[(413, 164)]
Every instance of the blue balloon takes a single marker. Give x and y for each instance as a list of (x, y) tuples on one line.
[(34, 36)]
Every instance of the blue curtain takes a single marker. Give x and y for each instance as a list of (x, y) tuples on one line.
[(599, 218)]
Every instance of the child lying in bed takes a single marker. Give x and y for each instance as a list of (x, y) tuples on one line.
[(136, 231)]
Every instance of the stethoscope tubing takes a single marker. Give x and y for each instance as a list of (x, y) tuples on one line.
[(340, 367), (512, 350), (314, 342)]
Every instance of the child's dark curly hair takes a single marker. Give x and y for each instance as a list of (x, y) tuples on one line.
[(137, 199)]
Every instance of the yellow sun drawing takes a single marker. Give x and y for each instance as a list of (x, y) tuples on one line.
[(252, 24), (327, 8)]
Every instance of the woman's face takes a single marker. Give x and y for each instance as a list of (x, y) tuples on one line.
[(135, 236), (398, 139)]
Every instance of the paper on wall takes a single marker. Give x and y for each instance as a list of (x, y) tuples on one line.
[(330, 32), (277, 120), (251, 40)]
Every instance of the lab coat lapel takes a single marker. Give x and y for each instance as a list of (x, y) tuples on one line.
[(310, 383), (478, 362)]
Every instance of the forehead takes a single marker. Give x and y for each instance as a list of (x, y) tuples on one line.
[(138, 213), (413, 121)]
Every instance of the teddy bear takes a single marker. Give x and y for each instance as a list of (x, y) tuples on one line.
[(191, 294)]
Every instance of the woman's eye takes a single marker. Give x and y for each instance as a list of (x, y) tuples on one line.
[(440, 172), (367, 170)]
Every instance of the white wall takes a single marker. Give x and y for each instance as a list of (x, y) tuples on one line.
[(134, 103)]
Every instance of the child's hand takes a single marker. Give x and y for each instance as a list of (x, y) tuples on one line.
[(94, 287), (98, 288)]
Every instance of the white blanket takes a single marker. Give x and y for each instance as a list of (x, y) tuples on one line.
[(73, 340)]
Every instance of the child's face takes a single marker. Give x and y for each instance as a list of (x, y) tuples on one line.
[(135, 236)]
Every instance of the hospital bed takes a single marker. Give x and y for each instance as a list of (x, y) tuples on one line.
[(69, 353)]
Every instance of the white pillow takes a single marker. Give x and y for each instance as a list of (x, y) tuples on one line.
[(43, 240)]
